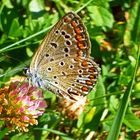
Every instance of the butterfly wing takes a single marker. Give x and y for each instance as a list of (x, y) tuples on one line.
[(69, 77), (67, 38), (62, 64)]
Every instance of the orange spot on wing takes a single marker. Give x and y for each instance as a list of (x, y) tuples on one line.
[(66, 19), (79, 53), (81, 46), (84, 63), (89, 83), (84, 88), (91, 69), (79, 38), (91, 77), (73, 23), (77, 30)]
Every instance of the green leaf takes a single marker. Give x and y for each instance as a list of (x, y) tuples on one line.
[(29, 52), (89, 115), (61, 134), (22, 136), (3, 133), (15, 29), (101, 16), (7, 3), (132, 122)]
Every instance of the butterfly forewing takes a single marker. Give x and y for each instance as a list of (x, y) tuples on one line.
[(62, 64), (67, 38)]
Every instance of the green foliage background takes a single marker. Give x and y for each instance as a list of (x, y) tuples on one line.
[(114, 29)]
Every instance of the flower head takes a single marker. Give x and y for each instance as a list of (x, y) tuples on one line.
[(72, 109), (21, 105)]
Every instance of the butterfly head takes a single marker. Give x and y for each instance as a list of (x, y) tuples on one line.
[(26, 71), (33, 78)]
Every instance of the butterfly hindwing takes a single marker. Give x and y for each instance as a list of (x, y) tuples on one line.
[(69, 77)]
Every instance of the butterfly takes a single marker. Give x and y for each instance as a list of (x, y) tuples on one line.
[(62, 64)]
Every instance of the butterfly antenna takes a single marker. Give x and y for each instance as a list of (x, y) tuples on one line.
[(15, 70), (16, 60)]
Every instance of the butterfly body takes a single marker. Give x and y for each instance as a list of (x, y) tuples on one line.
[(62, 64)]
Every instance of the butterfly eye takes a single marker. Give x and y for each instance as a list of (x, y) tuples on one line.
[(26, 71)]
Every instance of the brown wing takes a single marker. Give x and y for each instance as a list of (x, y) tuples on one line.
[(68, 38), (69, 77), (62, 63)]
